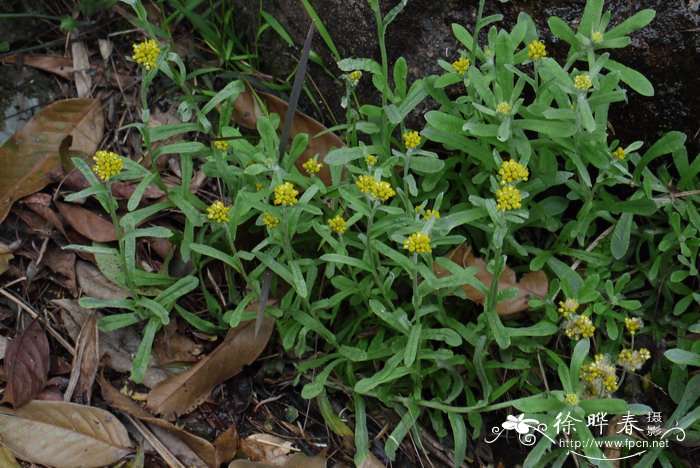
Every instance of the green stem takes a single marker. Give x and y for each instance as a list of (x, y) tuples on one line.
[(477, 28), (120, 241), (385, 77), (416, 300), (239, 264)]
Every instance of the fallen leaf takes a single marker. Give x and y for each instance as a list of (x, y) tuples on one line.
[(5, 257), (7, 459), (56, 64), (247, 112), (33, 151), (267, 448), (298, 460), (88, 223), (532, 284), (182, 393), (95, 284), (206, 451), (3, 346), (170, 346), (26, 365), (81, 64), (62, 262), (119, 346), (372, 462), (86, 361), (40, 203), (61, 434)]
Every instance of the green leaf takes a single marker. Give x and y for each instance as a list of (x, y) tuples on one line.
[(683, 357), (591, 16), (668, 144), (230, 91), (620, 241), (412, 346), (363, 64), (459, 435), (631, 24), (346, 260), (548, 127), (298, 278), (631, 77), (143, 354), (463, 36), (562, 30), (642, 206)]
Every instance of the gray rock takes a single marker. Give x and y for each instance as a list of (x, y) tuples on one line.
[(667, 51)]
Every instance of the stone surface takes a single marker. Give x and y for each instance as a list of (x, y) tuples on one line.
[(667, 52)]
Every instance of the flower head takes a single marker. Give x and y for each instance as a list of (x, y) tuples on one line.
[(597, 37), (512, 172), (417, 242), (146, 53), (461, 65), (371, 160), (633, 324), (311, 166), (583, 82), (503, 108), (571, 399), (354, 77), (620, 153), (383, 191), (429, 213), (411, 139), (270, 220), (286, 194), (508, 198), (365, 183), (338, 224), (536, 50), (633, 360), (259, 186), (599, 376), (579, 326), (221, 145), (569, 306), (107, 164), (218, 212)]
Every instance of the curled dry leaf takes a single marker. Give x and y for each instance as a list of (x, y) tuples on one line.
[(56, 64), (33, 151), (221, 451), (64, 435), (182, 393), (26, 365), (40, 203), (88, 223), (5, 257), (7, 459), (86, 361), (171, 346), (119, 346), (267, 448), (95, 284), (298, 460), (62, 262), (247, 111), (532, 284)]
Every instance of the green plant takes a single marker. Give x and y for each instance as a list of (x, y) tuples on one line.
[(369, 295)]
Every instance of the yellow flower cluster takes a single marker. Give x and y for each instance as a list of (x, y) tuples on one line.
[(599, 376), (597, 37), (354, 77), (371, 160), (508, 198), (417, 242), (512, 172), (571, 399), (259, 186), (221, 145), (146, 53), (583, 82), (312, 166), (633, 360), (107, 164), (380, 190), (270, 220), (579, 326), (429, 213), (411, 139), (286, 194), (461, 65), (569, 306), (633, 324), (218, 212), (536, 50), (503, 108), (620, 153), (338, 224)]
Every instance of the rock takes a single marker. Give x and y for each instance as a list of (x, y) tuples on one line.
[(667, 51)]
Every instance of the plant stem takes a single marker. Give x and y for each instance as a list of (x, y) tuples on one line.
[(385, 77), (477, 28), (241, 269)]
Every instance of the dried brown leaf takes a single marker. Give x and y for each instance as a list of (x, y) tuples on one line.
[(211, 454), (56, 64), (90, 224), (298, 460), (60, 434), (7, 459), (33, 151), (182, 393), (532, 284), (170, 346), (5, 257), (119, 346), (26, 365), (86, 361), (62, 262), (95, 284), (248, 111)]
